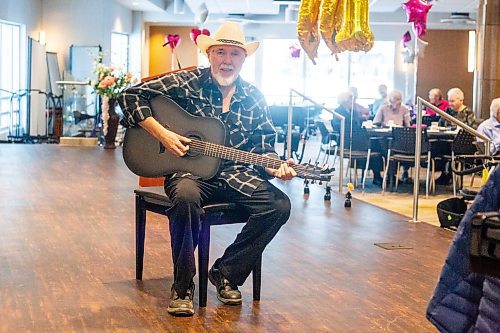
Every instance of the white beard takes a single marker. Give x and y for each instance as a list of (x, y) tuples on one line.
[(224, 81)]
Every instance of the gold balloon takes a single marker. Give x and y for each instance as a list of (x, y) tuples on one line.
[(307, 27), (330, 21), (362, 31), (355, 34), (343, 37)]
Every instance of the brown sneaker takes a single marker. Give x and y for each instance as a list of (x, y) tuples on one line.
[(181, 306)]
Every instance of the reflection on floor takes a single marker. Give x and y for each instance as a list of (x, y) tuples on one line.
[(67, 259), (400, 202)]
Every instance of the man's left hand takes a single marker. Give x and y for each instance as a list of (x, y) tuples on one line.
[(284, 172)]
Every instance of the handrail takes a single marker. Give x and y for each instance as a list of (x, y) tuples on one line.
[(335, 114), (418, 134)]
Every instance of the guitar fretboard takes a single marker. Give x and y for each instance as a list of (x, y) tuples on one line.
[(236, 155)]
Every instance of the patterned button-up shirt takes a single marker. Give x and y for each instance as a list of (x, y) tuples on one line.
[(248, 124)]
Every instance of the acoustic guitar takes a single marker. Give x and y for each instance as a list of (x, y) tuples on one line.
[(145, 156)]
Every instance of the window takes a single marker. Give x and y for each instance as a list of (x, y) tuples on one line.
[(10, 70), (325, 80), (119, 50)]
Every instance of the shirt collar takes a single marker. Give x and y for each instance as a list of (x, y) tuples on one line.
[(494, 121)]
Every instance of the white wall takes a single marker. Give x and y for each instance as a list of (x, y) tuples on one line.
[(25, 12), (74, 22)]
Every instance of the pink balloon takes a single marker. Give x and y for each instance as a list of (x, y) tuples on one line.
[(416, 11), (406, 38), (419, 28), (294, 51), (196, 32), (172, 41)]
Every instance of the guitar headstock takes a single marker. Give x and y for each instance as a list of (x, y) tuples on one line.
[(310, 171)]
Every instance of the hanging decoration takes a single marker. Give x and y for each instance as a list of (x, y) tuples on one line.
[(362, 32), (355, 34), (416, 11), (307, 27), (406, 38), (196, 32), (172, 41), (294, 51), (330, 21), (408, 56), (343, 25), (420, 49), (201, 14)]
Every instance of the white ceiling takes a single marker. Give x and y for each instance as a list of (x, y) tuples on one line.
[(269, 10), (271, 7)]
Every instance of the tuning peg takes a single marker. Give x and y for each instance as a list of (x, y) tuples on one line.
[(328, 195)]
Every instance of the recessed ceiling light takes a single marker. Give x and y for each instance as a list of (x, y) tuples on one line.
[(135, 4)]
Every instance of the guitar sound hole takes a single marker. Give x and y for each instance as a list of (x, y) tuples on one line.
[(191, 152)]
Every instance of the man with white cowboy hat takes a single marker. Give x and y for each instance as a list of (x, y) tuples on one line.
[(217, 91)]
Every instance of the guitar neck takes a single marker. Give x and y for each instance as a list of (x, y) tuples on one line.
[(236, 155), (232, 154)]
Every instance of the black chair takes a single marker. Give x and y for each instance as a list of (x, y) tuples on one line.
[(328, 144), (359, 146), (464, 144), (402, 149), (155, 200)]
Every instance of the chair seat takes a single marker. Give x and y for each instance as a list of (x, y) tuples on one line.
[(362, 154), (407, 158), (226, 213)]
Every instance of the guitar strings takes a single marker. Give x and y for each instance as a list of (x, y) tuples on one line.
[(208, 148)]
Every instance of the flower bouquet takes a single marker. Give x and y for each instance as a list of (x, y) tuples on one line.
[(110, 83)]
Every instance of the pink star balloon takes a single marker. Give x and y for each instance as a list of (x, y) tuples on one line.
[(416, 11)]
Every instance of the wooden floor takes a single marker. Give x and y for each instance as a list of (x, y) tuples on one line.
[(67, 258)]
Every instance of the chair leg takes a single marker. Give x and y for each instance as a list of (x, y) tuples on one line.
[(433, 177), (335, 150), (355, 174), (453, 176), (397, 175), (203, 256), (426, 175), (319, 154), (257, 279), (140, 235), (386, 170), (366, 168)]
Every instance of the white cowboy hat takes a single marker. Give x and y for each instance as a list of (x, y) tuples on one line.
[(229, 33)]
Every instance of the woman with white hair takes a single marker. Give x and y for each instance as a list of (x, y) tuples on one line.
[(458, 109), (491, 127), (393, 111)]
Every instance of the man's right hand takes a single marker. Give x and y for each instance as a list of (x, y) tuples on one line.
[(175, 143)]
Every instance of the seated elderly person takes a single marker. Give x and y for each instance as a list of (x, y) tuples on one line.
[(436, 99), (382, 90), (393, 111), (363, 113), (345, 100), (491, 127), (458, 109)]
